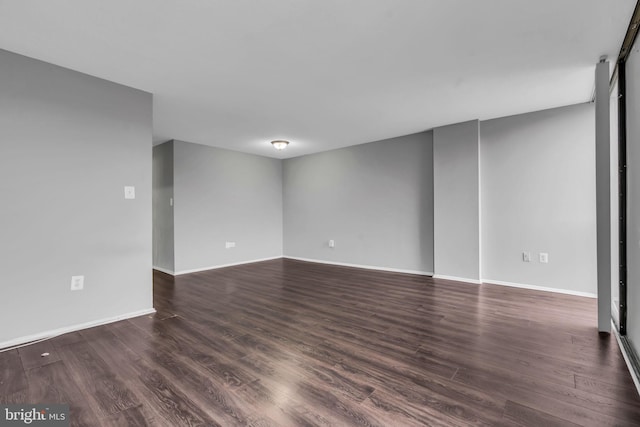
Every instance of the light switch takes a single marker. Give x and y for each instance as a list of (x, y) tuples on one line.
[(129, 192)]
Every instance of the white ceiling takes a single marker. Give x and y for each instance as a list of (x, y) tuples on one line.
[(324, 73)]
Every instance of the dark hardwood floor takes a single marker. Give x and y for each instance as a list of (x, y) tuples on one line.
[(290, 343)]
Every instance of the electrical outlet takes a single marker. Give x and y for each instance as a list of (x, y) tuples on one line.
[(332, 243), (526, 256), (228, 245), (77, 283), (129, 192), (544, 257)]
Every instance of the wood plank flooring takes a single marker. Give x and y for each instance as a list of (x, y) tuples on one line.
[(289, 343)]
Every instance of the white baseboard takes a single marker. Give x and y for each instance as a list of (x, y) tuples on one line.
[(393, 270), (366, 267), (457, 279), (627, 357), (164, 270), (540, 288), (59, 331), (214, 267)]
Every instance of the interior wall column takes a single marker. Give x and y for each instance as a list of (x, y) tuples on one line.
[(603, 203), (456, 180)]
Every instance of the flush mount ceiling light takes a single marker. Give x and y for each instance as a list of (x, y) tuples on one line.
[(280, 144)]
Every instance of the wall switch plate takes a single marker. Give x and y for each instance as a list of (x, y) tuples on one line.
[(332, 243), (170, 201), (526, 256), (228, 245), (129, 192), (544, 257), (77, 283)]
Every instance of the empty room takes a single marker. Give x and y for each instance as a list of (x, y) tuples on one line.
[(320, 213)]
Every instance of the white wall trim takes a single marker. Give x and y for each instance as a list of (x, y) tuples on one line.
[(626, 357), (457, 279), (214, 267), (366, 267), (64, 330), (164, 270), (540, 288), (394, 270)]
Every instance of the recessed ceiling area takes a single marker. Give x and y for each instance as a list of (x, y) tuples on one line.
[(324, 74)]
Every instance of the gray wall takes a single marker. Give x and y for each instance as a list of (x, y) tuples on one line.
[(222, 195), (633, 194), (538, 195), (163, 257), (375, 200), (70, 143), (457, 201)]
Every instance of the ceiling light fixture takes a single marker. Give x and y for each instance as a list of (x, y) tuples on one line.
[(280, 144)]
